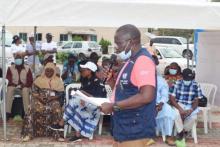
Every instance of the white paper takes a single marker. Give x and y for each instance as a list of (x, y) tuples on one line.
[(93, 100)]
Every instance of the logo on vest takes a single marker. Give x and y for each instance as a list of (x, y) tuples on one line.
[(124, 76)]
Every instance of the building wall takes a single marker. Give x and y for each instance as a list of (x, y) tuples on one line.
[(101, 32)]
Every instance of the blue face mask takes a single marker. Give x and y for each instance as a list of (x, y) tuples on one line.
[(187, 83), (18, 61), (173, 71)]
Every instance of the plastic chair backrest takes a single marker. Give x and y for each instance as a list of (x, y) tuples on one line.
[(76, 85), (209, 90)]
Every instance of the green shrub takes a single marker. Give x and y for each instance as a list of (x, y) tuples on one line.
[(104, 44), (61, 57), (77, 38)]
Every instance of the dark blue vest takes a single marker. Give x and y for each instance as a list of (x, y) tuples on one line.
[(138, 123)]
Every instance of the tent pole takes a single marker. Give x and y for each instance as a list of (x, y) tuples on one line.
[(4, 81), (187, 52), (34, 48)]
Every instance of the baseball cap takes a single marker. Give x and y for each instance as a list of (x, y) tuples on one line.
[(188, 74), (47, 56), (49, 35), (89, 65)]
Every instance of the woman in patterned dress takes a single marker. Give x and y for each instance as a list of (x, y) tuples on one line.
[(45, 107)]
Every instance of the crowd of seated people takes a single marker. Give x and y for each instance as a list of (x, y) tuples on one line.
[(176, 102)]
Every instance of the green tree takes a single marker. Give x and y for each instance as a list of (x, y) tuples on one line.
[(104, 44), (77, 38)]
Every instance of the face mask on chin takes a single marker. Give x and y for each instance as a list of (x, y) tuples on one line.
[(124, 56), (187, 83)]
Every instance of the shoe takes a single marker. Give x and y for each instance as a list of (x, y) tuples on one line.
[(8, 116), (169, 141), (56, 127), (75, 139), (180, 143), (150, 142), (17, 118), (26, 138)]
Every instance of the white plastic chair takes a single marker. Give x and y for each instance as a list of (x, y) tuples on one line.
[(67, 127), (1, 99), (109, 94), (209, 90)]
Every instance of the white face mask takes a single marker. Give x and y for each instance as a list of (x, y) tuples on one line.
[(124, 56)]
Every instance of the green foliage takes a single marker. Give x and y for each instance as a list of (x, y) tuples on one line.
[(77, 38), (176, 32), (104, 44), (61, 57)]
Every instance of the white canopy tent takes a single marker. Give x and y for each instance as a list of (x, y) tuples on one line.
[(190, 14), (182, 14)]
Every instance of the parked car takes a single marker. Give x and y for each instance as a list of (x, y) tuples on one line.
[(81, 47), (168, 55), (177, 43)]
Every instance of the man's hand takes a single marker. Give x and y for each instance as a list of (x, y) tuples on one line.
[(82, 103), (188, 112), (107, 108), (159, 107)]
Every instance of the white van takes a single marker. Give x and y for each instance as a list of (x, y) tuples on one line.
[(175, 42)]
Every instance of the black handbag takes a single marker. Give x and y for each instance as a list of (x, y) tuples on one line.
[(203, 101)]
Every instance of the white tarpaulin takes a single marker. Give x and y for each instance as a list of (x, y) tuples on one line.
[(111, 13), (207, 69)]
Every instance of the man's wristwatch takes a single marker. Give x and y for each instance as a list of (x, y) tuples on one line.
[(116, 107)]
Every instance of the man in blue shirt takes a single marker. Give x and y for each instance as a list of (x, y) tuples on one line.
[(70, 70), (184, 96), (133, 102)]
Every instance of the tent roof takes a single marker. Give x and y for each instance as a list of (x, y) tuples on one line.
[(111, 13)]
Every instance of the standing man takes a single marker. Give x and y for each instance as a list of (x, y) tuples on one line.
[(133, 103), (31, 52), (49, 47)]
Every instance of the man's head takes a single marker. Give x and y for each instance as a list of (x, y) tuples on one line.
[(31, 37), (72, 59), (127, 37), (48, 58), (49, 37), (19, 60), (94, 57), (16, 40), (188, 75)]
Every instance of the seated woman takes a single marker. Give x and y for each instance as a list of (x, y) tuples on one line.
[(45, 107), (172, 73), (81, 115)]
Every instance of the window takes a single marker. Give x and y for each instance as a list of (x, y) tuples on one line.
[(175, 41), (93, 38), (39, 37), (23, 36), (68, 45), (63, 37), (77, 45)]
